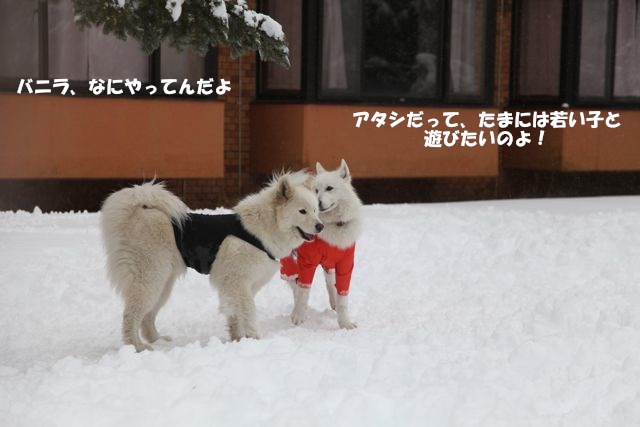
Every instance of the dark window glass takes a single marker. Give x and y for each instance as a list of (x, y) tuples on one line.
[(593, 49), (341, 47), (539, 47), (67, 44), (402, 48), (19, 38), (289, 14), (606, 64), (80, 55), (627, 51), (116, 59), (88, 54), (467, 37), (393, 49), (187, 64)]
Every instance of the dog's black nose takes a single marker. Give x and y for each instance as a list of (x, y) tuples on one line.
[(319, 227)]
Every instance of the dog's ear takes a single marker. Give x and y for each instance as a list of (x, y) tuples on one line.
[(344, 171), (319, 168), (285, 189), (309, 182)]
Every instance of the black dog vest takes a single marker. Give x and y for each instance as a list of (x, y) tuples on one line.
[(201, 236)]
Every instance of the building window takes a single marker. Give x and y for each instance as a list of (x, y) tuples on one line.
[(594, 34), (83, 55), (626, 73), (341, 58), (276, 79), (579, 52), (395, 50), (422, 51), (186, 64), (39, 39), (540, 31), (467, 52), (19, 44)]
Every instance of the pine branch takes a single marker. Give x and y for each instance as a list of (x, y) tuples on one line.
[(197, 24)]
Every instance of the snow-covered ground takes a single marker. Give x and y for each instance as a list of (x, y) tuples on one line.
[(510, 313)]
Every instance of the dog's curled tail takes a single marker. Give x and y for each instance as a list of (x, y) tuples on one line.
[(119, 206), (118, 215)]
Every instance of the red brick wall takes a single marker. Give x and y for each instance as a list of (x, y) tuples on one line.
[(210, 193), (241, 72)]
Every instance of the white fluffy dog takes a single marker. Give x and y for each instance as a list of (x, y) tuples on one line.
[(333, 248), (151, 238)]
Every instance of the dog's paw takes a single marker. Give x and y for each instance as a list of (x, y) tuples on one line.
[(248, 335), (347, 324), (142, 347), (297, 318), (153, 338), (253, 335)]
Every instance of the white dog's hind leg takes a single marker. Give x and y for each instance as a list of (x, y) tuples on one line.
[(235, 331), (342, 308), (136, 305), (247, 320), (140, 298), (149, 331), (300, 302), (236, 302), (330, 281)]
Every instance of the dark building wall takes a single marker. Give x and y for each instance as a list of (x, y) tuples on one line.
[(516, 176)]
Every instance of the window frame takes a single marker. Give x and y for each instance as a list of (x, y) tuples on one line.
[(284, 94), (571, 33), (81, 87), (311, 60)]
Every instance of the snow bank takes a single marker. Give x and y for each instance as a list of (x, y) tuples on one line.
[(491, 313)]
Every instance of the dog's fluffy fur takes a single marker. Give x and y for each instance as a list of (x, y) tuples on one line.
[(143, 260), (341, 214)]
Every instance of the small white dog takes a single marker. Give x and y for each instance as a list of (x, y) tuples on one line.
[(333, 248), (151, 238)]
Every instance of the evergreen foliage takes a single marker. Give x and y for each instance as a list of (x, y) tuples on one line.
[(197, 24)]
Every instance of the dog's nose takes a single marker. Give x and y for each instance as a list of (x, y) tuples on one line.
[(319, 227)]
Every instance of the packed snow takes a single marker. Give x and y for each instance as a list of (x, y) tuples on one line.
[(506, 313), (219, 10), (175, 8), (271, 27), (261, 21)]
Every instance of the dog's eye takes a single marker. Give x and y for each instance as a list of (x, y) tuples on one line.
[(303, 211), (329, 188), (317, 191)]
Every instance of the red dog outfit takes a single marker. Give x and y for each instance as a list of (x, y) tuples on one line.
[(318, 252)]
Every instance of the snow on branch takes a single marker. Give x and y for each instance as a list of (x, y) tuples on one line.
[(197, 24)]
